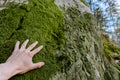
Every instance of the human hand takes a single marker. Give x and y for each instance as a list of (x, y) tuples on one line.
[(21, 59)]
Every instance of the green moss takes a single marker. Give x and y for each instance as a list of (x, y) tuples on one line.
[(110, 48), (108, 52), (40, 20), (73, 49)]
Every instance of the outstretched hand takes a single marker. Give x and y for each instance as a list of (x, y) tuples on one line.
[(21, 60)]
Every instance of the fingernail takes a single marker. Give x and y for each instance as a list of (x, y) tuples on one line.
[(42, 46), (36, 41), (18, 41), (27, 39), (42, 63)]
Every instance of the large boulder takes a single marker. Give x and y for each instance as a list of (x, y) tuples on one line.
[(73, 48)]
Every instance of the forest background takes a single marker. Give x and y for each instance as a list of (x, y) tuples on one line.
[(107, 14)]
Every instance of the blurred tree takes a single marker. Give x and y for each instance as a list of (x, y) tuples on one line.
[(107, 16)]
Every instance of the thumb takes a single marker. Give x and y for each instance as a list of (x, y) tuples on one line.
[(38, 65)]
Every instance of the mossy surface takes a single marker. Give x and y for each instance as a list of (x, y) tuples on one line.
[(40, 20), (72, 43), (83, 46), (109, 47)]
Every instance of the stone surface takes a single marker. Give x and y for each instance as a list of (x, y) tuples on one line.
[(73, 3), (5, 3), (73, 47)]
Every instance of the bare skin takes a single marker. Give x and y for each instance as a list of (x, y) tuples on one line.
[(20, 61)]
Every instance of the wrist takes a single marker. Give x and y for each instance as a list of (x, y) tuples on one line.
[(7, 71)]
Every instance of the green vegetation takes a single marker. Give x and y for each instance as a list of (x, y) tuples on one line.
[(40, 20), (109, 47), (71, 46)]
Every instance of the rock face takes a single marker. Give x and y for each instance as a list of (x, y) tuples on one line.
[(72, 45)]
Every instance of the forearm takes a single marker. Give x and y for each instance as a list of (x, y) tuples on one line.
[(7, 71)]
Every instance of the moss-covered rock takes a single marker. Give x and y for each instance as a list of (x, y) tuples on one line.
[(73, 47), (40, 20), (110, 48)]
